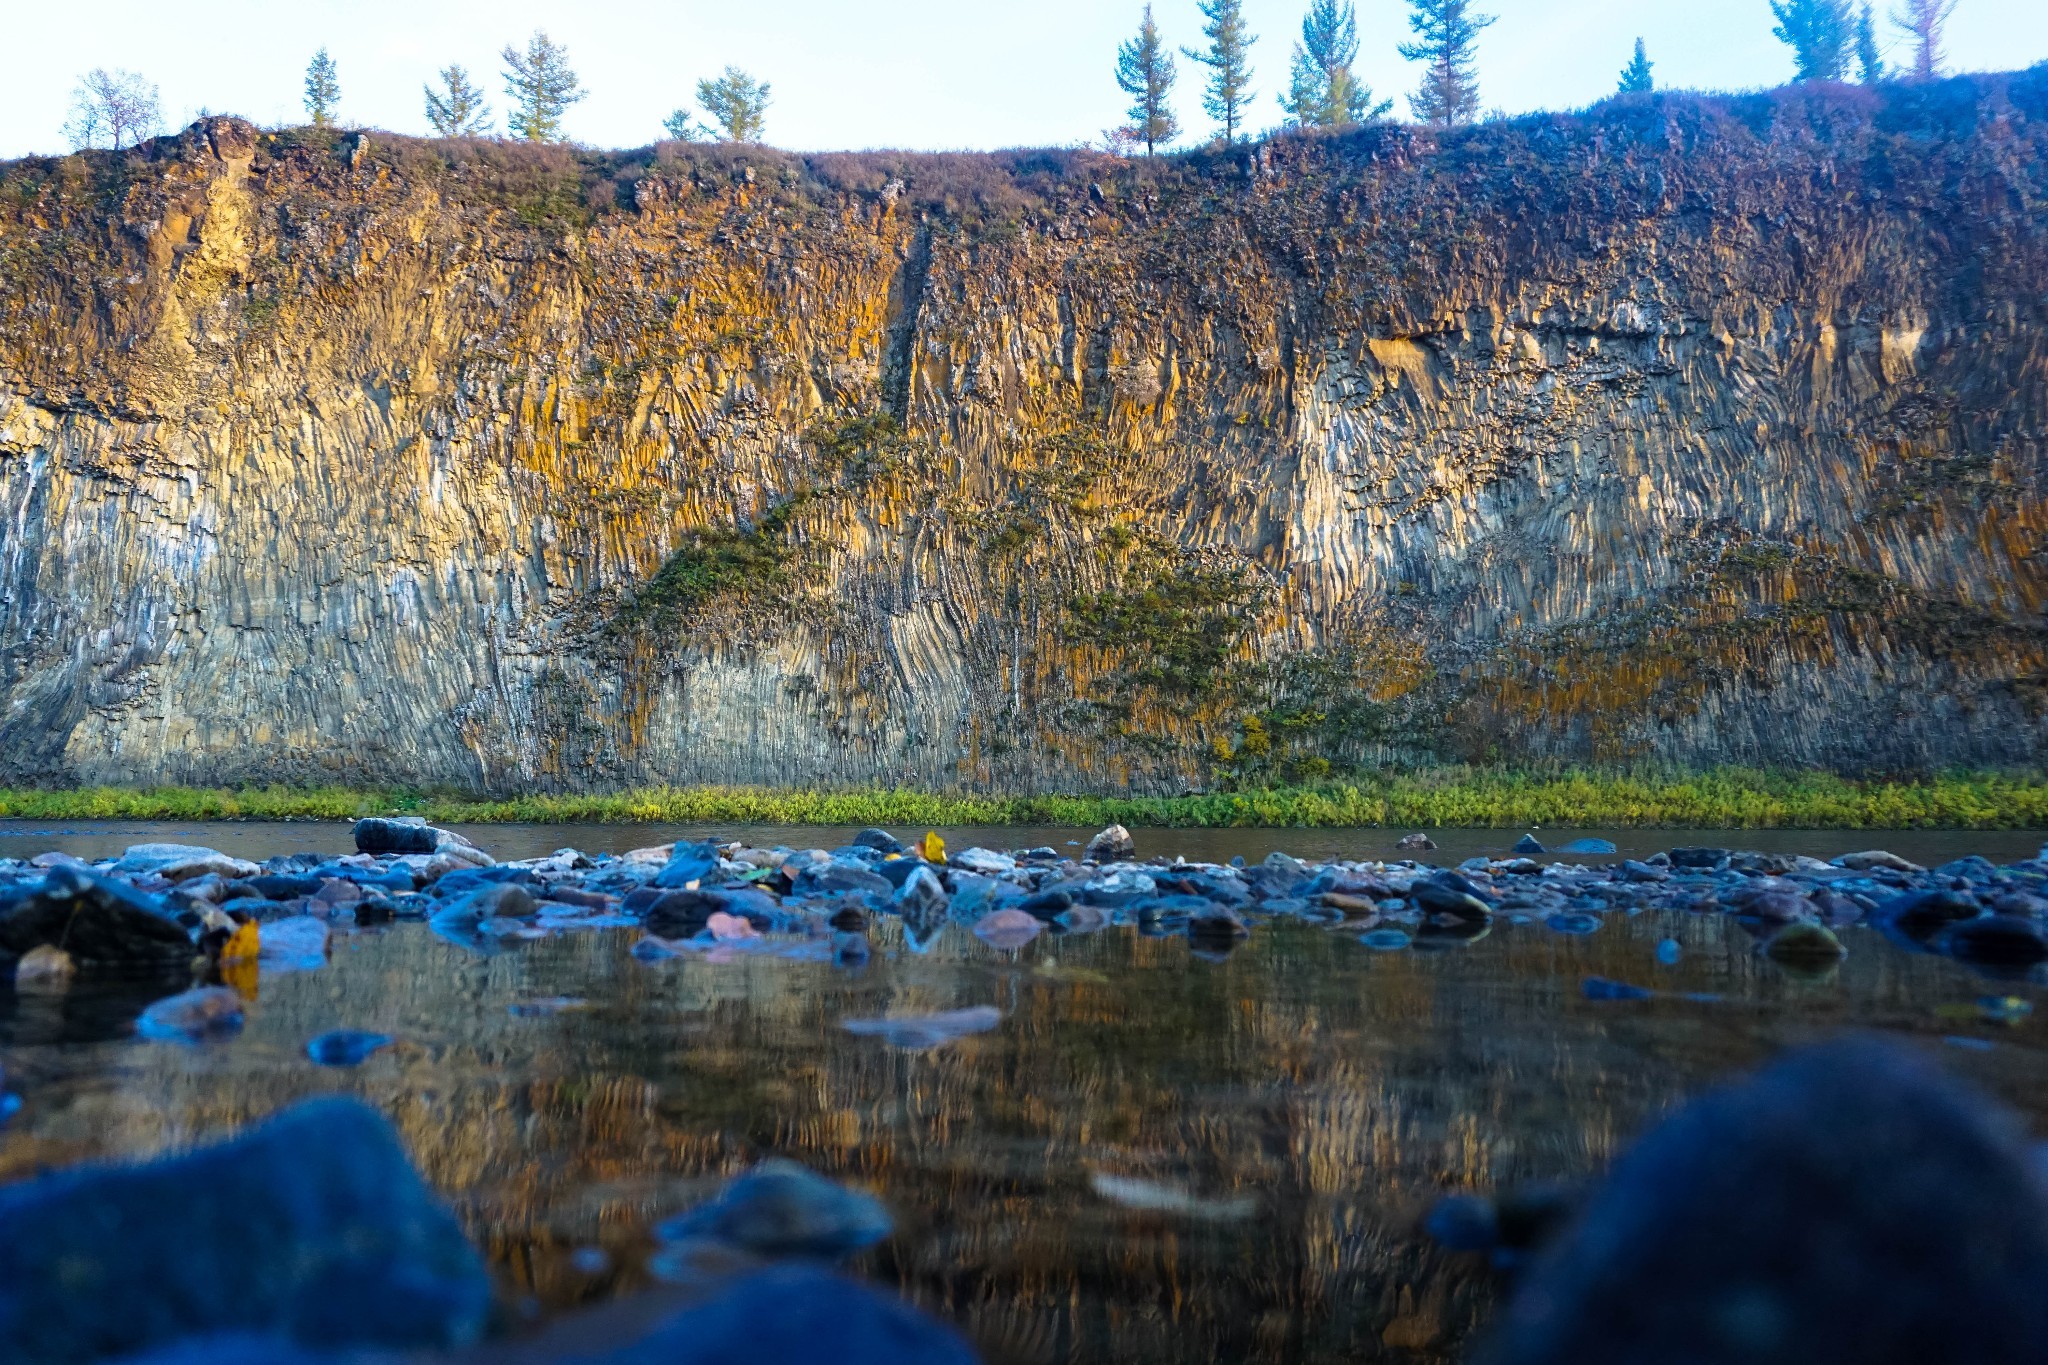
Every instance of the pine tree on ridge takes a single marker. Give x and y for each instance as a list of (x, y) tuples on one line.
[(323, 89), (1869, 61), (1145, 71), (1635, 77), (1821, 34), (1923, 21), (1446, 33), (1228, 91), (1323, 90), (542, 88), (458, 109)]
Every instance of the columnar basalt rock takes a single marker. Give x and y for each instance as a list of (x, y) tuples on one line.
[(1706, 430)]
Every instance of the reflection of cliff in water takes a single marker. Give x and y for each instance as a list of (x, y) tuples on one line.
[(1340, 1089)]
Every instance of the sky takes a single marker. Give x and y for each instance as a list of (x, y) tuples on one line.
[(938, 74)]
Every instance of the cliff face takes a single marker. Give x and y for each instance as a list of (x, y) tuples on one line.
[(1698, 429)]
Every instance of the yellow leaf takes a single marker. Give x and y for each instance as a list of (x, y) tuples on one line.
[(244, 945), (934, 847)]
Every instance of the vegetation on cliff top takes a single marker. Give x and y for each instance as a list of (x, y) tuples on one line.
[(1475, 798)]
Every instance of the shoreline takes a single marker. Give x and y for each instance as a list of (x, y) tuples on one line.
[(1447, 799)]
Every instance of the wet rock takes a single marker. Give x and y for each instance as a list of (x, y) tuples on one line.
[(838, 879), (312, 1228), (1440, 896), (680, 914), (1415, 843), (193, 1016), (920, 1031), (298, 944), (1998, 941), (1528, 847), (1700, 859), (1877, 858), (283, 887), (983, 862), (100, 922), (693, 866), (1112, 845), (395, 836), (1007, 929), (1805, 944), (180, 862), (44, 968), (1590, 848), (1048, 904), (346, 1047), (1920, 917), (1643, 872), (880, 840), (796, 1315), (1751, 1228), (1216, 926), (1600, 988), (922, 898), (780, 1208), (1772, 907)]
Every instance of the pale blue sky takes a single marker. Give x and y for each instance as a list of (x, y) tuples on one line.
[(858, 73)]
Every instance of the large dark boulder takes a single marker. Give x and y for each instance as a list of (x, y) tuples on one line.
[(99, 921), (1850, 1206), (395, 836), (312, 1228)]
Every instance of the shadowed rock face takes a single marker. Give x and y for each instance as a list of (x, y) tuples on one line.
[(1699, 429)]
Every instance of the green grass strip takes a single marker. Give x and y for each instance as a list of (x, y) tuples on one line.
[(1452, 797)]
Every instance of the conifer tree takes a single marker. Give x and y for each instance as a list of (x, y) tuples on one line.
[(1446, 32), (1635, 77), (737, 101), (458, 108), (1323, 90), (1869, 61), (542, 88), (1820, 34), (323, 89), (1145, 71), (1923, 22), (1228, 92)]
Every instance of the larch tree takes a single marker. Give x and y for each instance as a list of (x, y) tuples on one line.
[(1635, 77), (323, 89), (113, 109), (1323, 90), (1228, 93), (1145, 71), (737, 101), (1446, 38), (1923, 22), (457, 109), (1869, 60), (1820, 33), (542, 87)]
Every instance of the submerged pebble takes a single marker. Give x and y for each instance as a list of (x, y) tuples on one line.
[(346, 1047), (209, 1012), (920, 1031), (781, 1208)]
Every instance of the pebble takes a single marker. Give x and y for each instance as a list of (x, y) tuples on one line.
[(917, 1032), (194, 1016), (346, 1047), (780, 1208)]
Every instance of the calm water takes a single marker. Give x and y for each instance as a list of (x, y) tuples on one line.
[(1337, 1089)]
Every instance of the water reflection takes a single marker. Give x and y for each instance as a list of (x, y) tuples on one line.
[(1337, 1088)]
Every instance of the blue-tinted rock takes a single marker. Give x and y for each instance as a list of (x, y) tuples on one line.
[(782, 1209), (1700, 859), (796, 1315), (346, 1047), (1669, 951), (1590, 848), (1600, 988), (689, 863), (832, 879), (1529, 847), (312, 1227), (1998, 941), (193, 1016), (1849, 1205)]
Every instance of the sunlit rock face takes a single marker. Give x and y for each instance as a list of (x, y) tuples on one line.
[(1706, 430)]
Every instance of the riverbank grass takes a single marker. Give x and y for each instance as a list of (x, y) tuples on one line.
[(1472, 798)]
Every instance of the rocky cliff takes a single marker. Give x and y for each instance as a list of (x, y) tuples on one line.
[(1696, 429)]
